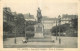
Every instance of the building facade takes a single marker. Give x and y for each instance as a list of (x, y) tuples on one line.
[(67, 18), (48, 22)]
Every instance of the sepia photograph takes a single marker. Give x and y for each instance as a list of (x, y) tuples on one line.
[(40, 24)]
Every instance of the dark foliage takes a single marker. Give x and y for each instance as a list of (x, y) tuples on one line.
[(30, 23), (75, 23), (29, 34), (6, 27), (60, 28), (30, 28)]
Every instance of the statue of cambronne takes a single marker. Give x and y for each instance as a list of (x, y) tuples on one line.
[(39, 15)]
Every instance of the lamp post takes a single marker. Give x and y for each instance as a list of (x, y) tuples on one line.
[(59, 19), (15, 19), (25, 29), (56, 28)]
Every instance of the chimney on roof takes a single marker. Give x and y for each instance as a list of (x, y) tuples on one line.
[(29, 14)]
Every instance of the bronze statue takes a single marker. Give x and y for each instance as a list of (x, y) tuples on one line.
[(39, 15)]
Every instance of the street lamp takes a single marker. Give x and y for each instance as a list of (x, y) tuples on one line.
[(56, 28), (15, 19), (59, 19), (25, 29)]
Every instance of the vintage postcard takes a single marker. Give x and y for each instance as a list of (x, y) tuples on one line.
[(45, 25)]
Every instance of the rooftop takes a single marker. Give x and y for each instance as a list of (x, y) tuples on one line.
[(29, 17), (69, 16), (45, 18)]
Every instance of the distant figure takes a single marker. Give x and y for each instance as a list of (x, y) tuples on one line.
[(39, 15), (24, 41)]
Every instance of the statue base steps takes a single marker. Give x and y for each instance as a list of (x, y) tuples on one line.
[(40, 40), (39, 35)]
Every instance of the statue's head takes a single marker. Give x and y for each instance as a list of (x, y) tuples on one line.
[(38, 8)]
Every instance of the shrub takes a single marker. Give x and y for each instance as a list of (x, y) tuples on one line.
[(29, 34), (30, 28)]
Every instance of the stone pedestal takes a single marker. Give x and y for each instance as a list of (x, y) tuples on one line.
[(39, 31), (38, 35)]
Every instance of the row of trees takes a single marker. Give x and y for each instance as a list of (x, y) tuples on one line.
[(18, 23), (61, 28), (18, 26), (66, 28)]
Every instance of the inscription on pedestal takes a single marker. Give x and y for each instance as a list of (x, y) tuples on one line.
[(39, 31)]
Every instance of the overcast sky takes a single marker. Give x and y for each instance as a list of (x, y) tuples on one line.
[(50, 9)]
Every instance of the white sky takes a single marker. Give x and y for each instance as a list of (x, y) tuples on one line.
[(48, 8)]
